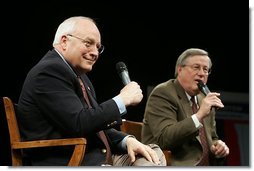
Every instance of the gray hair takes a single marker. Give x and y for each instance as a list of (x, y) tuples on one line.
[(68, 26), (189, 53)]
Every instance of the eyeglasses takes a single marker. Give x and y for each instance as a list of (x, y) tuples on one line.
[(89, 43), (196, 68)]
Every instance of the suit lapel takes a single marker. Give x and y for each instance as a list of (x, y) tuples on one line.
[(90, 93), (91, 97), (184, 101)]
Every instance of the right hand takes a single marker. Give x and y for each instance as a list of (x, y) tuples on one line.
[(211, 100), (131, 94)]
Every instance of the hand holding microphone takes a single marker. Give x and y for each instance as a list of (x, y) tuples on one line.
[(210, 101), (131, 94)]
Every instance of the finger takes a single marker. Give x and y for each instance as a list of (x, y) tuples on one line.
[(132, 156), (225, 151), (219, 150), (213, 149), (155, 158), (147, 155), (153, 155), (222, 150)]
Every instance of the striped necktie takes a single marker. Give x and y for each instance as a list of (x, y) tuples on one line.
[(100, 133)]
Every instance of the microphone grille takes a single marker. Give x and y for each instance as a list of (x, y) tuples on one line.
[(120, 67)]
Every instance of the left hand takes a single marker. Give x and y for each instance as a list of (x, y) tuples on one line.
[(135, 147), (220, 149)]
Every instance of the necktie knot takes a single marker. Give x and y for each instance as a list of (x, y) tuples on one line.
[(193, 99)]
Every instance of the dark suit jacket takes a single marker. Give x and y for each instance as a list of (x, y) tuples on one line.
[(168, 123), (51, 105)]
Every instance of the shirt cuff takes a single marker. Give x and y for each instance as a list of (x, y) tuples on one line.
[(196, 121), (120, 105), (123, 142)]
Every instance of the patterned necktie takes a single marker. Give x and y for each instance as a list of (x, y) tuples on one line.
[(101, 133), (84, 92), (205, 157)]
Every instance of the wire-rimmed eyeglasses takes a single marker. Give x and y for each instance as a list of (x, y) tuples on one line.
[(89, 43), (196, 68)]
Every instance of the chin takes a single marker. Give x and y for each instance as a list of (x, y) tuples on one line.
[(88, 69)]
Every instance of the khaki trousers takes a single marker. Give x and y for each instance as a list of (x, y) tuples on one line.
[(124, 159)]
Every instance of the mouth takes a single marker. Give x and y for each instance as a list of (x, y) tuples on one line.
[(198, 80), (90, 60)]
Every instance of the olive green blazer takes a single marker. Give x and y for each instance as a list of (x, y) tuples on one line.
[(168, 123)]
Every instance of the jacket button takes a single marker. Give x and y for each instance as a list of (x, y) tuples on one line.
[(103, 150)]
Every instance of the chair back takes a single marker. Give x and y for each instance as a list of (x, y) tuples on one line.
[(14, 133), (17, 145), (132, 128), (135, 128)]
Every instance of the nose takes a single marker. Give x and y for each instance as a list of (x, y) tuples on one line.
[(94, 55)]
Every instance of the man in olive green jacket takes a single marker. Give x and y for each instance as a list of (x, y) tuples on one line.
[(169, 120)]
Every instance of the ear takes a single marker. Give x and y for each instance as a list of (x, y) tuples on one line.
[(64, 38), (179, 69), (63, 41)]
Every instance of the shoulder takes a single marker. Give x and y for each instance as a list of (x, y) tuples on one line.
[(166, 87), (51, 63), (51, 68)]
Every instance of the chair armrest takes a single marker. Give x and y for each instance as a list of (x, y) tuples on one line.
[(48, 143)]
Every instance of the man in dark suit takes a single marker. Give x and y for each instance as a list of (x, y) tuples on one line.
[(170, 121), (52, 104)]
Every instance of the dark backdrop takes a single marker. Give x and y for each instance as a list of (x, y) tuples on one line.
[(148, 37)]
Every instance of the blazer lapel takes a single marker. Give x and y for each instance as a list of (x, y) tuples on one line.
[(91, 97), (90, 94), (185, 103)]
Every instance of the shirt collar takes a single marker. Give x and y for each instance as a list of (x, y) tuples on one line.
[(189, 97), (66, 62)]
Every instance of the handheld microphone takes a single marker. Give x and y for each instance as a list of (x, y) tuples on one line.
[(205, 90), (203, 87), (123, 72)]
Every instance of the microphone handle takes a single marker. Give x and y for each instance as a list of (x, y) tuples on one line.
[(125, 77)]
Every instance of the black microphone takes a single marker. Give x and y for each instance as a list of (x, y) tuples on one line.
[(123, 72), (203, 87), (205, 90)]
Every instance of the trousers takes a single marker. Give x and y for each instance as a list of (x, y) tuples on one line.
[(124, 159)]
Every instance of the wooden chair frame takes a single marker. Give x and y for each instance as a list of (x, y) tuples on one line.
[(135, 128), (17, 145)]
